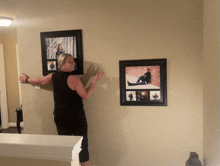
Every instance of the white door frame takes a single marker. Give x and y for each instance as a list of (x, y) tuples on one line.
[(18, 69), (4, 102), (19, 84)]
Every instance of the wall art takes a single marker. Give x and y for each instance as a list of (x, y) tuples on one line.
[(55, 43), (143, 82)]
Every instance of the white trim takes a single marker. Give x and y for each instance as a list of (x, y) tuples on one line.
[(4, 102), (18, 69), (46, 147)]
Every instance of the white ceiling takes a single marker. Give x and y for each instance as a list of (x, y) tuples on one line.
[(7, 8)]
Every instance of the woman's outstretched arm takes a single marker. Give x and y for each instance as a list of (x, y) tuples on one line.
[(47, 80)]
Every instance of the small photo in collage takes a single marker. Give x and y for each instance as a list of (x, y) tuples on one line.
[(131, 96), (142, 96), (155, 95), (51, 65)]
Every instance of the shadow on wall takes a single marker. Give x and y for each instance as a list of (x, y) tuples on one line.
[(107, 145)]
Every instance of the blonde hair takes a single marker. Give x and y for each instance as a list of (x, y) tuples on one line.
[(61, 59)]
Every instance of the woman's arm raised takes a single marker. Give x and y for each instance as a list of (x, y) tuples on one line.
[(75, 84)]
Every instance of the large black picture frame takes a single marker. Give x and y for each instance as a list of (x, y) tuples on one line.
[(71, 43), (143, 82)]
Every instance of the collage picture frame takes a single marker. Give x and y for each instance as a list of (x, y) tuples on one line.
[(55, 43), (143, 82)]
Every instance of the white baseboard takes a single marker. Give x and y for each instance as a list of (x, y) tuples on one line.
[(14, 124)]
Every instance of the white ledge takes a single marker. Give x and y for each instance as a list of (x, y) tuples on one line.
[(49, 147)]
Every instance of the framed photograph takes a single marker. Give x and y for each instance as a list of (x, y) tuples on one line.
[(57, 42), (143, 82)]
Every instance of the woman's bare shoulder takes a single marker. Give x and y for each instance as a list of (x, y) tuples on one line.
[(73, 78), (73, 81)]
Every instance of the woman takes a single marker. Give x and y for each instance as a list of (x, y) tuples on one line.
[(68, 90), (59, 50)]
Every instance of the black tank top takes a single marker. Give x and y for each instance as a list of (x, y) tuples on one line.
[(67, 103)]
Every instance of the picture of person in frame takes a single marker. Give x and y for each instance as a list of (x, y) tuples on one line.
[(155, 95), (57, 45), (145, 79), (142, 77), (131, 95), (51, 65), (59, 50), (142, 96)]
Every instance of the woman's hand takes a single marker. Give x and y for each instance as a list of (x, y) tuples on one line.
[(23, 78), (98, 76)]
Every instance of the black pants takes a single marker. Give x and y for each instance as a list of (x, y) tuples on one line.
[(65, 127)]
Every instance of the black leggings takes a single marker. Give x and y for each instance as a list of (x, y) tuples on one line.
[(67, 130)]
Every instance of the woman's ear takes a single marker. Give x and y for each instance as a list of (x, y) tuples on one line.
[(61, 65)]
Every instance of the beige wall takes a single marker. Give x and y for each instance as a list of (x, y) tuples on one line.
[(118, 30), (211, 83), (9, 41)]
